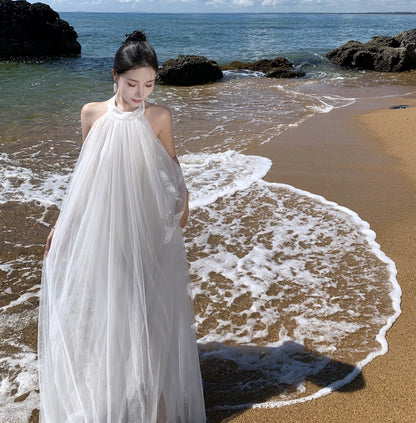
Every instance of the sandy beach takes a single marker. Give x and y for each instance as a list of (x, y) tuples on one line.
[(361, 157)]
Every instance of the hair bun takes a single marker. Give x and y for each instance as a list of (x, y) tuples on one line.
[(135, 36)]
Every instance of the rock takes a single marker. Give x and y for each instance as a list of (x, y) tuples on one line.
[(383, 54), (406, 38), (34, 30), (285, 73), (399, 106), (279, 67), (189, 70)]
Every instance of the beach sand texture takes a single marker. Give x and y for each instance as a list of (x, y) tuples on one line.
[(361, 157)]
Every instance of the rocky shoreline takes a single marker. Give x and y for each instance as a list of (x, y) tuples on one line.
[(279, 67), (381, 53), (30, 31), (192, 70), (34, 30)]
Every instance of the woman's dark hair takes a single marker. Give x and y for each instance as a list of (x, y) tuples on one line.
[(135, 53)]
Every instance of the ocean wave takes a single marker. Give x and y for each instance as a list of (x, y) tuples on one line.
[(211, 176), (287, 284), (288, 288)]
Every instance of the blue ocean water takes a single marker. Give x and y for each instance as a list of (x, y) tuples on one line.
[(29, 91), (268, 256), (228, 37), (38, 89)]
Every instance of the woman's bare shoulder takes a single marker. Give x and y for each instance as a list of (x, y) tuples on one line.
[(92, 111), (160, 119), (157, 114)]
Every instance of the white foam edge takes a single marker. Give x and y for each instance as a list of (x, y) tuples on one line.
[(395, 95), (22, 299), (27, 384), (263, 165), (315, 110), (395, 296), (241, 73)]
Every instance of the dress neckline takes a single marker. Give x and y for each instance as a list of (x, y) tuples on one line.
[(115, 111)]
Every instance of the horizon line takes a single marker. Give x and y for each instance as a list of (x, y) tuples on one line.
[(245, 13)]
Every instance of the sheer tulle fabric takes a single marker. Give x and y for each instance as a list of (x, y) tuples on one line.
[(116, 342)]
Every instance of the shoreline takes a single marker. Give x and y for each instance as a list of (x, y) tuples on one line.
[(360, 157), (344, 158)]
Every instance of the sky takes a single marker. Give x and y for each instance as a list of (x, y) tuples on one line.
[(233, 6)]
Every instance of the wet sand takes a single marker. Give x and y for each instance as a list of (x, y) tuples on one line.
[(361, 157)]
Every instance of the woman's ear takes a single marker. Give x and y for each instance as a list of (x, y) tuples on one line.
[(115, 77)]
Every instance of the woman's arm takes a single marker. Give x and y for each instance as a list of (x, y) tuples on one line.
[(160, 119), (90, 112), (185, 216), (50, 236)]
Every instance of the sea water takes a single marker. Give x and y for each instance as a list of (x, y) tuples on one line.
[(292, 293)]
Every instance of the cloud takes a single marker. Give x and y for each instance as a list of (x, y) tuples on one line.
[(216, 3), (266, 3), (229, 3), (243, 3), (300, 3)]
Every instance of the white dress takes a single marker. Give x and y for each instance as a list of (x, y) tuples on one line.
[(116, 337)]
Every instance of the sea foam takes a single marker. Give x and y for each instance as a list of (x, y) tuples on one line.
[(211, 176), (282, 272), (288, 287)]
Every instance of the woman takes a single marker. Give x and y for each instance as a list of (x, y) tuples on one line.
[(116, 342)]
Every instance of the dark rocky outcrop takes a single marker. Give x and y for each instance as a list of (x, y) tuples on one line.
[(384, 54), (278, 67), (189, 70), (34, 30)]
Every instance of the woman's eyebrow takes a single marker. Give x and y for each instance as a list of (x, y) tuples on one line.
[(134, 80)]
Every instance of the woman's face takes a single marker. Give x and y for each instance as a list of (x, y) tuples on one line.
[(134, 86)]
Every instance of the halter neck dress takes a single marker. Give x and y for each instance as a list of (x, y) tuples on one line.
[(116, 336)]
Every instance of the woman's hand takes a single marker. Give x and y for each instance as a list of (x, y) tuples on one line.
[(185, 216), (49, 240)]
